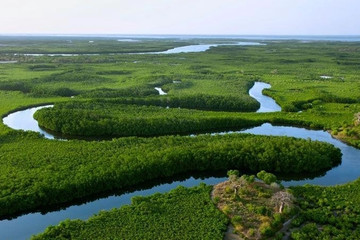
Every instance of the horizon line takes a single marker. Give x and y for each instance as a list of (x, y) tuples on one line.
[(173, 34)]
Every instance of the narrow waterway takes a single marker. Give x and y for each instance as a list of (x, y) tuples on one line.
[(24, 226), (267, 104), (7, 62), (27, 225), (24, 120), (161, 92), (184, 49)]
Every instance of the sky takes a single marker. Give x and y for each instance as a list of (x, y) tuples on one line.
[(232, 17)]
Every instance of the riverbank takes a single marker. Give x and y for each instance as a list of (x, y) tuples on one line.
[(293, 69), (314, 213)]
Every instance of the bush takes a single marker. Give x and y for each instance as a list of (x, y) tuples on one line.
[(268, 178)]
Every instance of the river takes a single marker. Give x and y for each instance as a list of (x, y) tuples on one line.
[(184, 49), (24, 226)]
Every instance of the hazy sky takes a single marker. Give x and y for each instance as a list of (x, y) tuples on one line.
[(292, 17)]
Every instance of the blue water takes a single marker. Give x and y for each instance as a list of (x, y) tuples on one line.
[(184, 49), (267, 104), (24, 226), (27, 225), (24, 120)]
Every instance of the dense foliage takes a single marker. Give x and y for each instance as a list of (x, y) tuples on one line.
[(40, 87), (268, 178), (183, 213), (103, 118), (328, 212), (35, 172), (199, 101)]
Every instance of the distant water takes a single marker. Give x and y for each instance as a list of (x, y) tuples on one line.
[(24, 226), (342, 38), (6, 62), (184, 49), (161, 92)]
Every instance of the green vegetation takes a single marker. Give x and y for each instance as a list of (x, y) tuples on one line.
[(256, 209), (327, 212), (77, 169), (349, 133), (82, 45), (267, 178), (214, 80), (180, 214), (115, 96), (126, 119), (109, 118)]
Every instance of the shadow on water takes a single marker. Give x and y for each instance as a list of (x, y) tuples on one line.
[(24, 226), (153, 186), (189, 179)]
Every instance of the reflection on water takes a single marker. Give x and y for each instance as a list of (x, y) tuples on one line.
[(267, 104), (24, 120), (347, 171), (203, 47), (161, 92), (25, 226), (184, 49), (6, 62)]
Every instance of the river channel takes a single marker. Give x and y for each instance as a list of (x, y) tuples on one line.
[(24, 226)]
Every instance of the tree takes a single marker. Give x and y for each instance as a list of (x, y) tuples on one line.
[(281, 199), (233, 175), (268, 178)]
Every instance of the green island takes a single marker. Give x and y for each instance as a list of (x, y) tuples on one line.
[(122, 133)]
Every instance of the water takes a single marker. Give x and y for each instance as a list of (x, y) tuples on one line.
[(128, 40), (24, 226), (185, 49), (325, 77), (347, 171), (267, 104), (190, 48), (204, 47), (24, 120), (161, 92), (7, 62)]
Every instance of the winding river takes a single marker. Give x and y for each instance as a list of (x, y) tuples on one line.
[(24, 120), (184, 49), (267, 104), (26, 225)]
